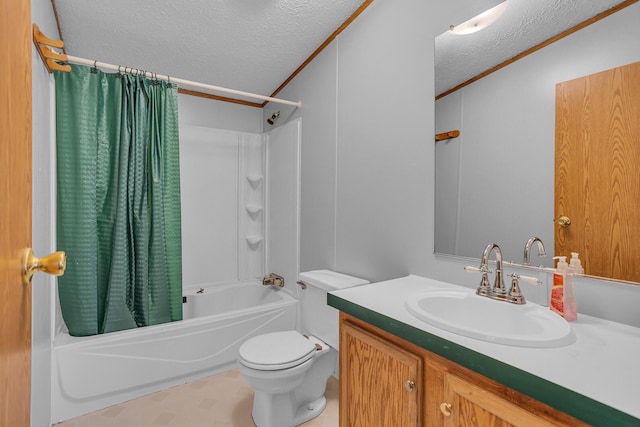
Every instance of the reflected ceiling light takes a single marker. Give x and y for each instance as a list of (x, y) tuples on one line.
[(481, 21)]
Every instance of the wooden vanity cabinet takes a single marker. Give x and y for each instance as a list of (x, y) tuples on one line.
[(386, 381), (380, 382)]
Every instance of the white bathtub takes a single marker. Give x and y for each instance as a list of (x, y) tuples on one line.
[(91, 373)]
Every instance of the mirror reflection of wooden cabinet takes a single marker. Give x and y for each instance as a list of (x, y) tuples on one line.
[(375, 367), (597, 172)]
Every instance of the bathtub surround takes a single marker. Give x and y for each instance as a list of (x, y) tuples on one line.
[(221, 207), (241, 202), (118, 201)]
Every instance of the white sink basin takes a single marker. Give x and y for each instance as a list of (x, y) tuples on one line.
[(463, 312)]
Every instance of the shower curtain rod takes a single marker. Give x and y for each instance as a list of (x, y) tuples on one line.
[(52, 60), (179, 81)]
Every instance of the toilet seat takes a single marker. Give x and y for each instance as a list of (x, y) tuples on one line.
[(276, 350)]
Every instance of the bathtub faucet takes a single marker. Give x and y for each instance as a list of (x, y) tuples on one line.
[(273, 280)]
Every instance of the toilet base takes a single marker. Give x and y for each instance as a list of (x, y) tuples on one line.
[(272, 411), (309, 411), (280, 395)]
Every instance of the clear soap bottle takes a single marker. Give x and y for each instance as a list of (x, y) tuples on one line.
[(563, 294), (556, 303), (570, 305), (575, 266)]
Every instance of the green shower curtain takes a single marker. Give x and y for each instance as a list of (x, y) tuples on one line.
[(118, 201)]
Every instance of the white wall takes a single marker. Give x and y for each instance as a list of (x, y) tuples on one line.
[(367, 145), (368, 154), (318, 154), (196, 111)]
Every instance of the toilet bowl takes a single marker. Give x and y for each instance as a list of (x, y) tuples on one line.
[(288, 370), (288, 373)]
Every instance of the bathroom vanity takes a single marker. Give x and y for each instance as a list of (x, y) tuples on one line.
[(396, 369)]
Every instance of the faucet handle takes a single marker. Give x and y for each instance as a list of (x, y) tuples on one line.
[(515, 294), (484, 288), (482, 269), (530, 280)]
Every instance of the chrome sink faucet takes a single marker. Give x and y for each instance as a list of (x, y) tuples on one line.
[(485, 289), (527, 249), (499, 291)]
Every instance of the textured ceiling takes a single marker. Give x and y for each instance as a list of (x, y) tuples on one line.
[(248, 45), (255, 45), (524, 24)]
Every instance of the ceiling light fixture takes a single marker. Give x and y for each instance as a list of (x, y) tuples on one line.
[(481, 21)]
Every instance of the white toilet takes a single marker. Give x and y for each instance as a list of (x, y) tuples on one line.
[(289, 371)]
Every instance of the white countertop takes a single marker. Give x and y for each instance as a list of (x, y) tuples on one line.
[(602, 364)]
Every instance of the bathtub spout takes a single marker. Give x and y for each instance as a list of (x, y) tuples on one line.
[(273, 280)]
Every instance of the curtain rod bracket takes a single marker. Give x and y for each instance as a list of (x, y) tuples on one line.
[(51, 59)]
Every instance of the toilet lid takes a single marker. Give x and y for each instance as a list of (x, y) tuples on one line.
[(276, 350)]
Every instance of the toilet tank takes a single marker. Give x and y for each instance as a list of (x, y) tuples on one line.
[(318, 318)]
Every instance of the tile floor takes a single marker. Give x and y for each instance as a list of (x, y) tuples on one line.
[(222, 400)]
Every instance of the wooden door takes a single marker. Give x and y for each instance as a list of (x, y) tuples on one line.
[(597, 171), (466, 404), (15, 212), (380, 383)]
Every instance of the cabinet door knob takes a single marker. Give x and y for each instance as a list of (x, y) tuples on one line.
[(445, 408), (409, 385)]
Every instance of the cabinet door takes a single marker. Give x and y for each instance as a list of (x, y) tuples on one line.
[(380, 383), (466, 404)]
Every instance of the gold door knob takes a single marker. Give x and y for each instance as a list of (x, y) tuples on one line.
[(445, 408), (409, 385), (564, 221), (54, 263)]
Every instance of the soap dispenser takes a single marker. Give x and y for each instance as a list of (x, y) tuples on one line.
[(563, 295), (556, 303), (570, 305), (575, 266)]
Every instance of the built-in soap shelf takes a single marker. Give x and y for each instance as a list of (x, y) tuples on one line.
[(253, 211), (254, 180), (252, 207)]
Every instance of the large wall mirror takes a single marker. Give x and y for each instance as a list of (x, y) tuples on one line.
[(495, 182)]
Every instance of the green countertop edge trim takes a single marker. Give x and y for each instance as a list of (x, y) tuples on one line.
[(558, 397)]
